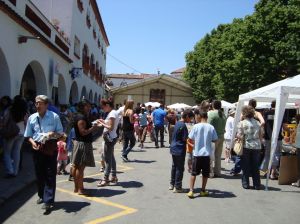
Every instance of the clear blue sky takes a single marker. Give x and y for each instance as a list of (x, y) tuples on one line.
[(156, 34)]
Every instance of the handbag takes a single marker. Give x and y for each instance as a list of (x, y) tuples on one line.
[(48, 148), (10, 128), (238, 147)]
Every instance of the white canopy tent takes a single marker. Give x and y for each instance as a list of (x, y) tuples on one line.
[(179, 106), (226, 106), (153, 104), (284, 91)]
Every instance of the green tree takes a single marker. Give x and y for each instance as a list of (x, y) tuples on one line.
[(248, 53)]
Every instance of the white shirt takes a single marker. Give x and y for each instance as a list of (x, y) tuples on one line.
[(229, 128), (113, 114)]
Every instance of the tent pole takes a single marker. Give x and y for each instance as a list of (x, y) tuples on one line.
[(281, 101)]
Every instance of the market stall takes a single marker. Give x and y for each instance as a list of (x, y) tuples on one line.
[(284, 91)]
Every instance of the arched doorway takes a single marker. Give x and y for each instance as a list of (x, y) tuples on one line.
[(62, 92), (5, 88), (91, 96), (83, 93), (73, 97), (33, 81)]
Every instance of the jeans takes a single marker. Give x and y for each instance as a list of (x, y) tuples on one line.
[(45, 170), (143, 133), (109, 158), (265, 163), (237, 165), (159, 129), (128, 136), (11, 154), (250, 166), (177, 171)]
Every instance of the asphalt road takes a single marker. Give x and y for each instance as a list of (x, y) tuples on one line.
[(142, 196)]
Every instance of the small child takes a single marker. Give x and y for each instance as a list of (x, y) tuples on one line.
[(178, 151), (201, 136), (62, 156)]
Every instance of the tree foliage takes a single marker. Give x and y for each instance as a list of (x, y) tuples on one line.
[(248, 53)]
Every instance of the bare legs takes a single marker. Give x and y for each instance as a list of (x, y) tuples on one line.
[(78, 173), (192, 183)]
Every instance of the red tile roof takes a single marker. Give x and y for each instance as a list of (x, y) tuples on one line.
[(180, 70)]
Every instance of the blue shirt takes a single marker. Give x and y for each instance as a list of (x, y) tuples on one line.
[(203, 134), (50, 122), (143, 119), (179, 137), (159, 117)]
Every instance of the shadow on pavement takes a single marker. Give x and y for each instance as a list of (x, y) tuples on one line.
[(13, 205), (103, 192), (141, 161), (90, 179), (131, 184), (138, 150), (70, 206), (221, 194)]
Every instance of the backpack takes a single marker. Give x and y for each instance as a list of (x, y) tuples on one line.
[(10, 128)]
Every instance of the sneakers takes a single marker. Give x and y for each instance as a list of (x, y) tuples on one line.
[(204, 193), (296, 184), (177, 190), (125, 159), (39, 201), (171, 187), (190, 194), (71, 178)]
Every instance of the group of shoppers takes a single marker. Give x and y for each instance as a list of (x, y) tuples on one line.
[(206, 140)]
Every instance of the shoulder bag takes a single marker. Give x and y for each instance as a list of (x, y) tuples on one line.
[(10, 128), (48, 148)]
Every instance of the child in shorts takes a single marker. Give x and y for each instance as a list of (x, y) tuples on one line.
[(201, 136)]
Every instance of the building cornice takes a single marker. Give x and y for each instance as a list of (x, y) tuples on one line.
[(22, 22), (99, 20)]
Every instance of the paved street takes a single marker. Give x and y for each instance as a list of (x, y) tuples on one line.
[(142, 196)]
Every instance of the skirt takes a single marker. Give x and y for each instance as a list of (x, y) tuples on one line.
[(83, 154)]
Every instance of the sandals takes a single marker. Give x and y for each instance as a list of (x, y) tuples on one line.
[(114, 180), (103, 183)]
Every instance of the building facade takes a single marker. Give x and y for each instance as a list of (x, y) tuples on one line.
[(56, 48), (119, 80), (164, 89)]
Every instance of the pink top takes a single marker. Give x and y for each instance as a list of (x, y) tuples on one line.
[(62, 152), (136, 120)]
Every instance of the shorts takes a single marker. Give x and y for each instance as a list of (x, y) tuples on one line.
[(201, 164), (228, 144)]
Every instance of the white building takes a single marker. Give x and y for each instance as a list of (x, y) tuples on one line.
[(54, 47)]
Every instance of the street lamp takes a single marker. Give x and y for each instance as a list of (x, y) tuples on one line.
[(23, 39)]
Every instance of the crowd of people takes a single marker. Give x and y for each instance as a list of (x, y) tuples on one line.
[(73, 130)]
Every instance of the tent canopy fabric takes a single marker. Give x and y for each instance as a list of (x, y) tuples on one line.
[(287, 90), (153, 104), (226, 104), (268, 93), (179, 106)]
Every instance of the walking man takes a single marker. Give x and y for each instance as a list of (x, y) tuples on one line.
[(41, 125), (158, 118)]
